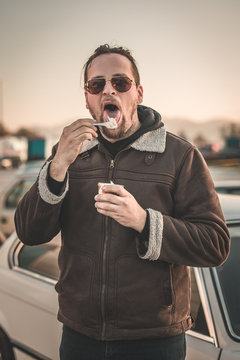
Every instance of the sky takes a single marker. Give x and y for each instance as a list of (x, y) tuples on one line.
[(187, 51)]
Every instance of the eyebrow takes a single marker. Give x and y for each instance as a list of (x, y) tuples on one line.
[(120, 74), (113, 75)]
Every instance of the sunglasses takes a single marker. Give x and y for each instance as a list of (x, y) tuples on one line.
[(119, 83)]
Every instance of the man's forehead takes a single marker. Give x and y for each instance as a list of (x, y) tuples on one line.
[(106, 64)]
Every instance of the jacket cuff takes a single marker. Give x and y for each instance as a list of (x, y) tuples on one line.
[(155, 236), (44, 191)]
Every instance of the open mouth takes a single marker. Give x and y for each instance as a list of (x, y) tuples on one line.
[(112, 111)]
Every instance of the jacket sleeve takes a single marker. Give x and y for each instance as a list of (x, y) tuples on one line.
[(37, 217), (196, 233)]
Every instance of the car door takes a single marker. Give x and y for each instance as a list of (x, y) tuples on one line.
[(227, 284), (201, 339), (30, 302)]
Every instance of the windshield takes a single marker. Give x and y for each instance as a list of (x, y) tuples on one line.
[(229, 281)]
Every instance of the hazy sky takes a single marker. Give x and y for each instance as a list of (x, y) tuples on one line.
[(188, 52)]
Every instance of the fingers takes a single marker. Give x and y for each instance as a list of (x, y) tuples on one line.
[(77, 132), (115, 202), (81, 134), (108, 202), (115, 189), (115, 194), (80, 127), (112, 199), (121, 206), (71, 141), (81, 122), (106, 207)]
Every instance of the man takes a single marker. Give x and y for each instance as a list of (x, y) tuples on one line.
[(124, 283)]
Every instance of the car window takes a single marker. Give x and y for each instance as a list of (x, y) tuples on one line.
[(228, 279), (17, 192), (200, 324), (41, 259), (228, 190)]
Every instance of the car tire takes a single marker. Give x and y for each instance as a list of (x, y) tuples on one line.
[(6, 350)]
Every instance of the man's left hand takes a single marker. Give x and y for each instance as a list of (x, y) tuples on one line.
[(120, 205)]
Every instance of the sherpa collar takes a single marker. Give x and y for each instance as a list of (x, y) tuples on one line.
[(153, 141)]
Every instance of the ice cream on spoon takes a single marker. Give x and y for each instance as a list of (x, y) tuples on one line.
[(111, 123)]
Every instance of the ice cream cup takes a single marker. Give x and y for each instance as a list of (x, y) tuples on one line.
[(101, 184)]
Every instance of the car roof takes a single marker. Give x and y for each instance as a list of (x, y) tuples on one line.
[(28, 170), (230, 206), (30, 167), (227, 183)]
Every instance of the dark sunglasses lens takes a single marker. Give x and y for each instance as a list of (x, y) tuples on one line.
[(121, 84), (95, 86)]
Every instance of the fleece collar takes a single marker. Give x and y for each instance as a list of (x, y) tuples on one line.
[(153, 141)]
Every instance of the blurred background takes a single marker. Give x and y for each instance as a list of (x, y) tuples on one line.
[(188, 53)]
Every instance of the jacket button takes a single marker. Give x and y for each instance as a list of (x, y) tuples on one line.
[(149, 158)]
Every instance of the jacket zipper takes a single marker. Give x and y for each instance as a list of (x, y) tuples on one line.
[(104, 264), (112, 164)]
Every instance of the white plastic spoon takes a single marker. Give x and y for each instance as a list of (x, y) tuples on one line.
[(111, 123)]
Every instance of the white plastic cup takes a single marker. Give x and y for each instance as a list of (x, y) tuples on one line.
[(100, 186)]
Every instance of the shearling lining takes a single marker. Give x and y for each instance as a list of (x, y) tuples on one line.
[(155, 236), (44, 192), (153, 141)]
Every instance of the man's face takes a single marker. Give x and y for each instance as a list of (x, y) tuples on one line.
[(109, 102)]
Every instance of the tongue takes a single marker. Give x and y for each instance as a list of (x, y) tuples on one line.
[(112, 114)]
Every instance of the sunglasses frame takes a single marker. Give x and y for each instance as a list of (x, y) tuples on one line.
[(112, 82)]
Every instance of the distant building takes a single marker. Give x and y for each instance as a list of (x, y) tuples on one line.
[(232, 146), (210, 151)]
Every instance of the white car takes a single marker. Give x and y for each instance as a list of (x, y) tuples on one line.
[(12, 194), (226, 179), (227, 187), (28, 301), (215, 303)]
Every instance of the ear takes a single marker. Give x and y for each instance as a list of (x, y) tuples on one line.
[(86, 98), (140, 94)]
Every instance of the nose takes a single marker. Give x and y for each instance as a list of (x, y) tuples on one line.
[(108, 88)]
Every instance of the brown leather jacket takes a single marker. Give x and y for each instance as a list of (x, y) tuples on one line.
[(107, 289)]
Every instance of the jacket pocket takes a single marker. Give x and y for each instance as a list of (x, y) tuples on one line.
[(143, 293), (75, 287)]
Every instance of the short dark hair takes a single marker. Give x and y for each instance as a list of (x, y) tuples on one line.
[(107, 49)]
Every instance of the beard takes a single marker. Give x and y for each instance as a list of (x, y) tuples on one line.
[(122, 131)]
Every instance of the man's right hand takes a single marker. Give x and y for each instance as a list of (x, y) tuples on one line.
[(69, 146)]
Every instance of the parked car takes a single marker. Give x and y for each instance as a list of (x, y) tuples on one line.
[(226, 179), (28, 301), (12, 194), (227, 186), (215, 303)]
